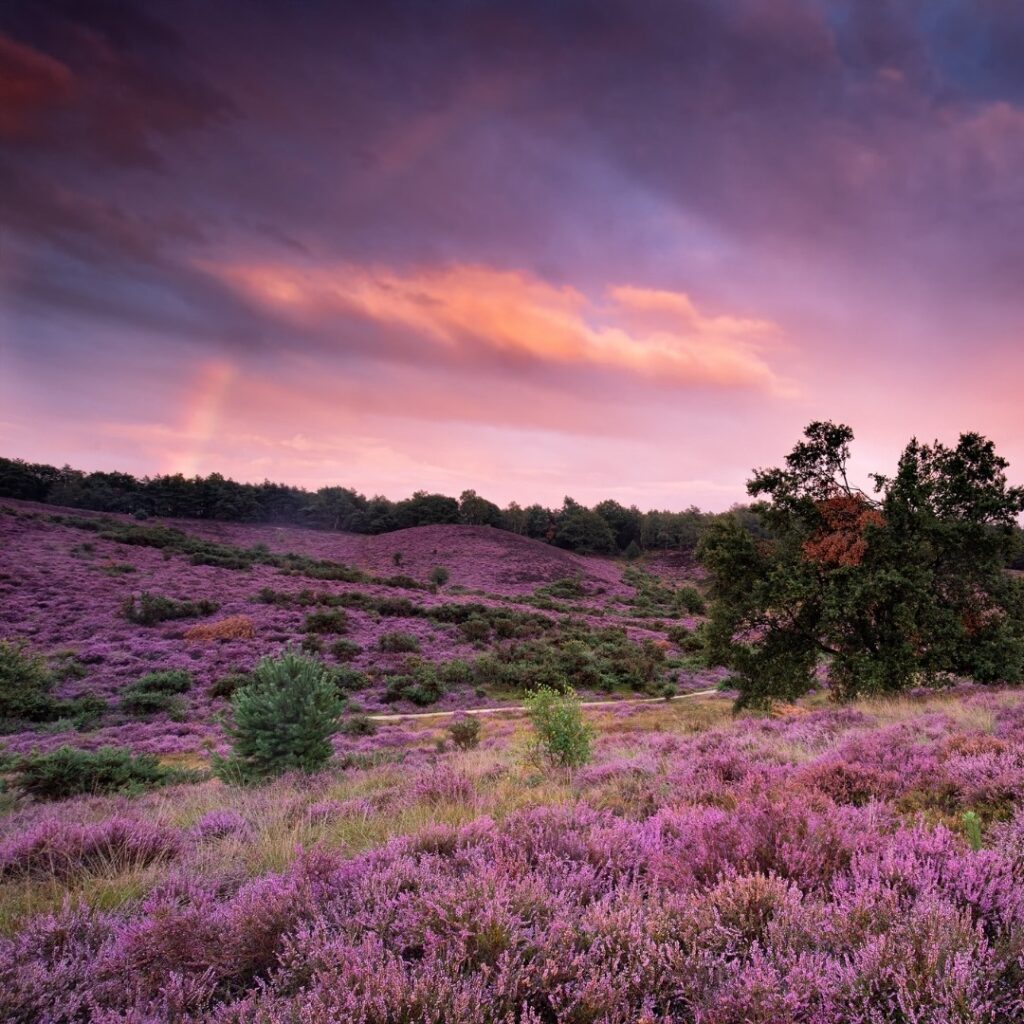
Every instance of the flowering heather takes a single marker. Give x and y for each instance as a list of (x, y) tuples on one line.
[(57, 597), (59, 849), (807, 869)]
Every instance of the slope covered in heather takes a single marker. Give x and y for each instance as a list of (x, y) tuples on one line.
[(512, 609)]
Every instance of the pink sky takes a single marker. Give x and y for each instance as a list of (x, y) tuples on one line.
[(602, 250)]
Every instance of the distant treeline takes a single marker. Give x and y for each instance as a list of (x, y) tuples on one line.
[(607, 528)]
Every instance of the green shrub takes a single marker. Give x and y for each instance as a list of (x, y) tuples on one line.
[(565, 589), (400, 607), (464, 731), (312, 644), (358, 725), (633, 551), (156, 693), (85, 711), (476, 629), (227, 684), (439, 576), (25, 683), (690, 600), (148, 609), (65, 665), (67, 772), (398, 642), (142, 704), (346, 650), (118, 569), (282, 721), (561, 736), (455, 672), (174, 680), (333, 620), (347, 679), (421, 685), (401, 580)]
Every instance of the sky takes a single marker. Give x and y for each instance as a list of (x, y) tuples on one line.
[(532, 247)]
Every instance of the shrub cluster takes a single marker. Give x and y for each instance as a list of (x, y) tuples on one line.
[(331, 620), (26, 681), (156, 693), (147, 609), (397, 642), (68, 771)]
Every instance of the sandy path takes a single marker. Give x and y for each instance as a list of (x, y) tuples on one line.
[(520, 707)]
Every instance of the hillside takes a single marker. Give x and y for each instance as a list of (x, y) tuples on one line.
[(65, 577)]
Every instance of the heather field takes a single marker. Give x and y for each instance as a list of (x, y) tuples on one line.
[(816, 864), (65, 578), (859, 864)]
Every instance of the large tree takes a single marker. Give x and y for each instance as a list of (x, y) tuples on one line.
[(882, 591)]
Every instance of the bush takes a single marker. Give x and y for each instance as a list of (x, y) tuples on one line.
[(173, 680), (143, 704), (312, 644), (25, 685), (421, 686), (475, 630), (561, 736), (358, 725), (690, 600), (464, 731), (346, 678), (332, 620), (439, 576), (455, 672), (566, 589), (156, 692), (282, 721), (148, 609), (633, 551), (398, 643), (85, 711), (67, 772), (346, 650), (226, 685)]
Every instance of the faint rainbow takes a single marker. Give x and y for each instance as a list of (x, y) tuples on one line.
[(202, 414)]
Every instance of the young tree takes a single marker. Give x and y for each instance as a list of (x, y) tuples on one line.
[(887, 590), (283, 720), (561, 737)]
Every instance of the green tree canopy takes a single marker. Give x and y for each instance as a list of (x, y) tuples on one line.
[(886, 590)]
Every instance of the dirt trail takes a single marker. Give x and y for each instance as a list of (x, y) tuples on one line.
[(520, 707)]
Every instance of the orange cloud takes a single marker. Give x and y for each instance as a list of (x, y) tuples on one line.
[(468, 308)]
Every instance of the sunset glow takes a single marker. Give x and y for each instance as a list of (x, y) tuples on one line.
[(606, 250)]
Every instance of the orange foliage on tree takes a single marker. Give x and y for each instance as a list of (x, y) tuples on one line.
[(842, 540)]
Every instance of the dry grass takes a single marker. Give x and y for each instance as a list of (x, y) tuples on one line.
[(357, 810), (234, 627)]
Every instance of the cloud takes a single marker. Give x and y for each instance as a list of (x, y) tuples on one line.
[(30, 82), (465, 311)]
